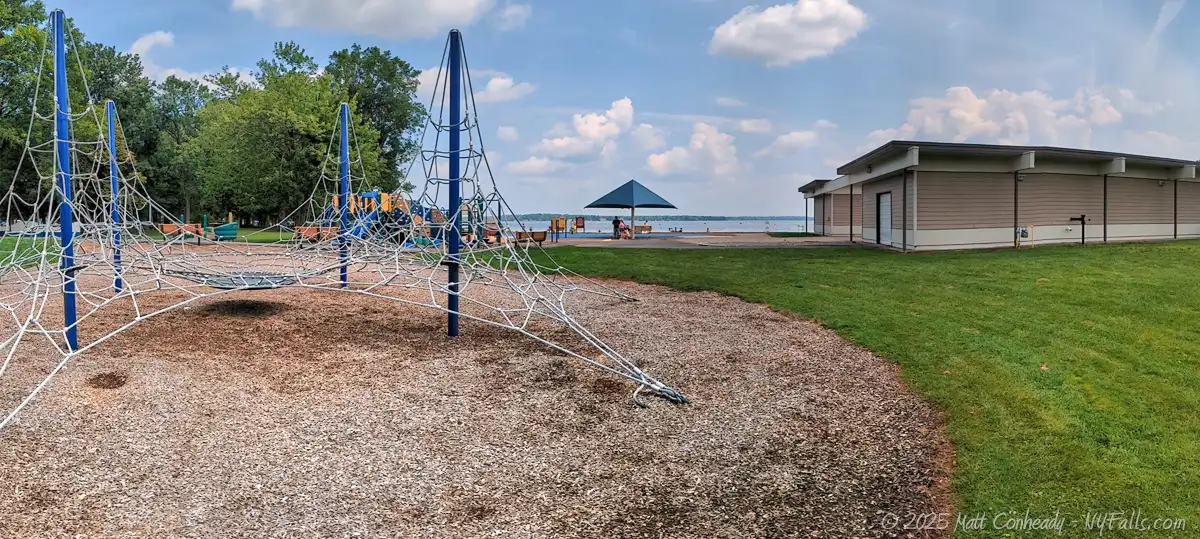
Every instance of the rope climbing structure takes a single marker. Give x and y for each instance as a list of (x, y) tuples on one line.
[(84, 236)]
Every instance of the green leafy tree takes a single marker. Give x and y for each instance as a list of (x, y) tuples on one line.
[(227, 84), (289, 59), (118, 76), (27, 82), (262, 154), (384, 90), (22, 40), (257, 148), (173, 179)]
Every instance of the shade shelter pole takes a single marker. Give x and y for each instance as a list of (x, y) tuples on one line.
[(632, 222)]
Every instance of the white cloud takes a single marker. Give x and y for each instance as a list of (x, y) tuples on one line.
[(574, 148), (608, 125), (789, 33), (719, 147), (392, 19), (1008, 117), (788, 143), (1159, 143), (755, 126), (878, 138), (709, 148), (730, 102), (728, 123), (507, 132), (594, 134), (498, 88), (536, 166), (560, 129), (155, 72), (824, 124), (1099, 109), (1129, 102), (1001, 116), (504, 88), (513, 16), (143, 46), (649, 137), (672, 161)]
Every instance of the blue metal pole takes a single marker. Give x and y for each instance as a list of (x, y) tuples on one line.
[(455, 182), (111, 109), (62, 153), (344, 193)]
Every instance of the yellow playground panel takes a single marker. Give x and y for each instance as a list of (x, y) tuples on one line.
[(363, 204)]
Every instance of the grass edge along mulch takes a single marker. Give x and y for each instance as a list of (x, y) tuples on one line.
[(1067, 375)]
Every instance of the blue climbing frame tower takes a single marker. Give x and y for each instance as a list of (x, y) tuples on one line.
[(344, 193), (62, 159), (115, 208), (455, 209)]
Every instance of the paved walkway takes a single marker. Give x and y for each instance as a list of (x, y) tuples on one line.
[(704, 241)]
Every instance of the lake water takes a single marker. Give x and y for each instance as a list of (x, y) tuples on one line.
[(749, 225)]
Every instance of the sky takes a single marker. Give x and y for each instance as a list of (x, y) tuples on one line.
[(725, 107)]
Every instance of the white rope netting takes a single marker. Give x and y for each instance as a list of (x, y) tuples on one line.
[(393, 246)]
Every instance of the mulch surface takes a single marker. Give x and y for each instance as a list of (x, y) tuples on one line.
[(302, 413)]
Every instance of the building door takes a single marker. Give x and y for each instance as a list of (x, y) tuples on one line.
[(828, 214), (883, 217)]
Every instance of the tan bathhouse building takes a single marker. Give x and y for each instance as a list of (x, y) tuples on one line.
[(919, 196)]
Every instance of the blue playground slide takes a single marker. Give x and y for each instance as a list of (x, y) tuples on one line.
[(363, 224)]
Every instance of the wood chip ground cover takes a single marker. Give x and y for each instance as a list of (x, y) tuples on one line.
[(300, 413)]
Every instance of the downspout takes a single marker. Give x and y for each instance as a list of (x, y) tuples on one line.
[(1105, 208), (1175, 210), (851, 213), (916, 176), (1016, 210), (904, 210)]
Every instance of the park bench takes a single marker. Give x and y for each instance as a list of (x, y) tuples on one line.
[(315, 233), (171, 229), (537, 236)]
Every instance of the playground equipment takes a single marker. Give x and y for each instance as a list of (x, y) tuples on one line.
[(558, 228), (414, 255), (225, 232)]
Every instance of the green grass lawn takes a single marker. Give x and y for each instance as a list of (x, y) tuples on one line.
[(24, 251), (245, 234), (264, 235), (1112, 422)]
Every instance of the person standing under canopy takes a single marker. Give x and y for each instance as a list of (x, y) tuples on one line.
[(616, 222)]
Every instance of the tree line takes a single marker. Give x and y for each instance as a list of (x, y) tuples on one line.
[(222, 144)]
